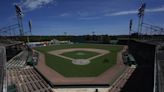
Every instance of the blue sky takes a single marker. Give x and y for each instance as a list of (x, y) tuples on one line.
[(80, 17)]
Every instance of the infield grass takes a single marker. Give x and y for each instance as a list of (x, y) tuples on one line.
[(80, 54)]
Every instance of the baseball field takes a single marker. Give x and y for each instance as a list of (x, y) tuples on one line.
[(80, 60)]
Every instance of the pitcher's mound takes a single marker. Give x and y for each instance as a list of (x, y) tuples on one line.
[(80, 61), (80, 53)]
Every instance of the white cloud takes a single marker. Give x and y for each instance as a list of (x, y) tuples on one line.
[(89, 18), (159, 9), (122, 13), (34, 4), (83, 14), (65, 14)]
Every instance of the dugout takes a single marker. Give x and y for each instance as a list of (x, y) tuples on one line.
[(32, 58)]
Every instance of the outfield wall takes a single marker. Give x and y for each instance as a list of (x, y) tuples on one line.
[(142, 80)]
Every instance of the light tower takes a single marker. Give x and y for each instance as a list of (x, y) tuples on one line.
[(141, 12), (93, 35), (130, 30), (30, 30), (19, 15), (130, 26), (30, 26)]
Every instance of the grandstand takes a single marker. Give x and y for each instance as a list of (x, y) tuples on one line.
[(18, 61), (16, 75), (120, 82), (27, 80), (145, 77), (2, 65), (160, 69), (24, 78)]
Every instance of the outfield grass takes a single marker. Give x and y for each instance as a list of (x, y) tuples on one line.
[(68, 69), (80, 54)]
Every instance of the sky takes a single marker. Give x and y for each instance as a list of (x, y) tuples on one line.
[(81, 17)]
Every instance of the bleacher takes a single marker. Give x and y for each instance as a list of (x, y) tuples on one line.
[(18, 61), (27, 80), (2, 62), (24, 78)]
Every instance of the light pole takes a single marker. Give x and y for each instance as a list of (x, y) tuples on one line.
[(141, 11), (130, 27), (28, 33), (19, 18), (130, 30), (30, 26), (93, 34)]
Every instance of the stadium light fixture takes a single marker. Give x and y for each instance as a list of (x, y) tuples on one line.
[(19, 18), (18, 10)]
